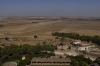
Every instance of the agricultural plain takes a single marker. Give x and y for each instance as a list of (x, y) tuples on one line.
[(21, 30)]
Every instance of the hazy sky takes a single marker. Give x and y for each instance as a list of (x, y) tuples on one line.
[(50, 8)]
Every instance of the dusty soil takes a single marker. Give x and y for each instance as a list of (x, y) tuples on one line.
[(22, 31)]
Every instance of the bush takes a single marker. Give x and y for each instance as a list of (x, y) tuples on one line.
[(35, 36), (27, 61), (22, 63)]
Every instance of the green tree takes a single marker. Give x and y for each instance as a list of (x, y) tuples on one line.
[(74, 62), (27, 61), (22, 63), (35, 36), (97, 60), (83, 63)]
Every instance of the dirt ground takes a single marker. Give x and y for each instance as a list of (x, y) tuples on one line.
[(22, 31)]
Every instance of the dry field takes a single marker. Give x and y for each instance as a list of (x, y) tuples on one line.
[(22, 31)]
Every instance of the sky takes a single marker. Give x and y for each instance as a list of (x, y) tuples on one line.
[(90, 8)]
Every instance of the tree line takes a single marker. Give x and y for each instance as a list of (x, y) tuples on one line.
[(95, 39), (80, 60), (15, 52)]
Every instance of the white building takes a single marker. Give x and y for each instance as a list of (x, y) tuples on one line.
[(95, 52), (23, 58), (83, 48), (76, 42)]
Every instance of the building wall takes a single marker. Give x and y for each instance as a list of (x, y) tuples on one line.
[(83, 48), (95, 53), (50, 61)]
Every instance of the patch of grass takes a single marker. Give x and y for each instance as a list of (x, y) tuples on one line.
[(17, 61), (1, 65)]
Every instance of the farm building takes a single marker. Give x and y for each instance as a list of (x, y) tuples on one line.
[(50, 61), (76, 42), (86, 47), (95, 53)]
